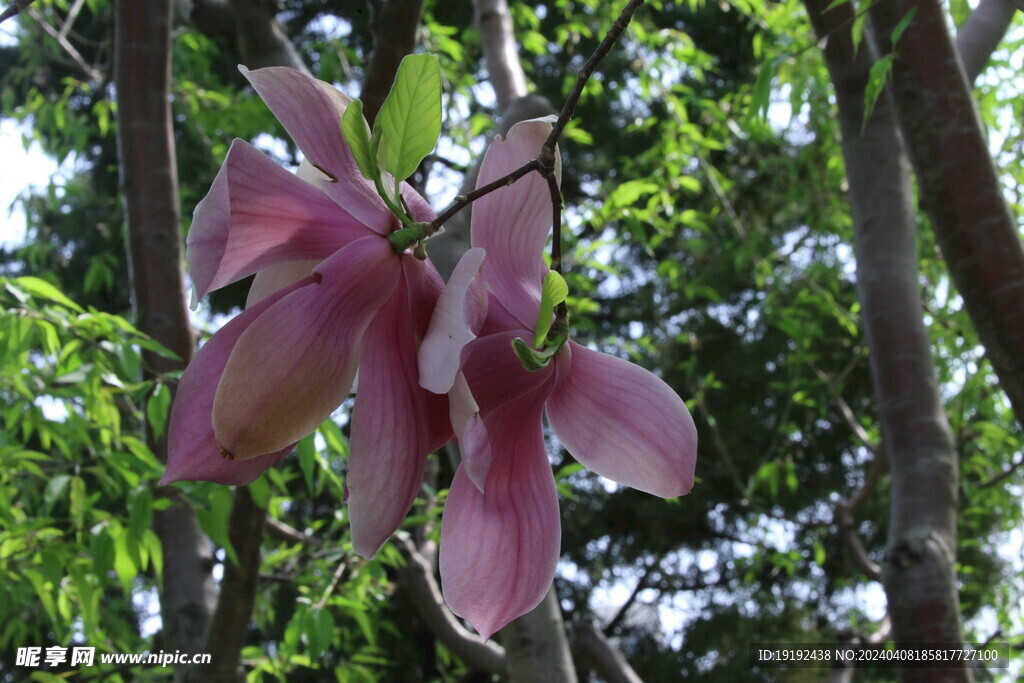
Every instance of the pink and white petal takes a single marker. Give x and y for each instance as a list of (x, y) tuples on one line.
[(294, 365), (495, 374), (513, 223), (391, 424), (499, 550), (273, 278), (310, 111), (451, 326), (192, 453), (256, 215), (470, 430), (624, 423)]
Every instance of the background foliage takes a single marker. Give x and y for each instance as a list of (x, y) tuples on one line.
[(711, 242)]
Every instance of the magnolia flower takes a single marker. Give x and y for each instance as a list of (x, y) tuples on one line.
[(330, 296), (500, 533)]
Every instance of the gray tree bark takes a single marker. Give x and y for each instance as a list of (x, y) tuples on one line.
[(536, 645), (980, 35), (919, 567), (959, 186), (150, 182)]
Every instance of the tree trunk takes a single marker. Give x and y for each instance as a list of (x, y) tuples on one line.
[(981, 33), (919, 567), (959, 187), (149, 178), (394, 36), (536, 646)]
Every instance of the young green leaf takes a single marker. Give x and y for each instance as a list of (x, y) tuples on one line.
[(760, 98), (533, 359), (552, 292), (898, 30), (857, 31), (357, 135), (410, 115), (157, 407), (876, 83)]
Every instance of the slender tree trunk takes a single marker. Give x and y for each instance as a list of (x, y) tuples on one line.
[(919, 567), (959, 187), (394, 36), (148, 174), (536, 646), (230, 622), (981, 33)]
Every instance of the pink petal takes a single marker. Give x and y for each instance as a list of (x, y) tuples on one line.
[(457, 317), (419, 208), (624, 423), (495, 374), (257, 214), (425, 286), (294, 366), (394, 423), (310, 111), (192, 453), (513, 223), (499, 550), (471, 432), (273, 278)]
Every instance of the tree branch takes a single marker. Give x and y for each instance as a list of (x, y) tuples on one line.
[(919, 570), (981, 33), (500, 52), (417, 577), (150, 181), (237, 590), (959, 186), (90, 73), (14, 8), (608, 662)]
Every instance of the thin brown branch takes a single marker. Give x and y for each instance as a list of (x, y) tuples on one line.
[(545, 161), (851, 538), (91, 73), (339, 572), (14, 8), (1004, 475), (69, 20), (289, 534), (569, 108), (464, 200), (641, 583)]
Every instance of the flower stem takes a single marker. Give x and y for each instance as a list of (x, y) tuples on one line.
[(544, 162)]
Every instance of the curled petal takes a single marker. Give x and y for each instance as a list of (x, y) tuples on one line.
[(457, 317), (513, 223), (495, 374), (499, 550), (470, 431), (192, 453), (310, 111), (294, 365), (624, 423), (256, 215), (392, 432)]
